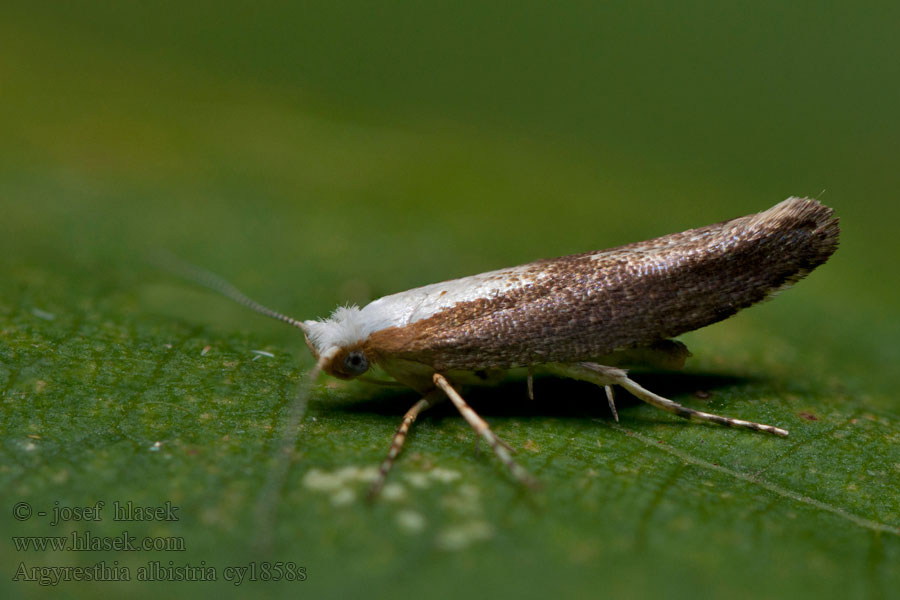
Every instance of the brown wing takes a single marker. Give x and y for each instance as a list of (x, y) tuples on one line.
[(587, 305)]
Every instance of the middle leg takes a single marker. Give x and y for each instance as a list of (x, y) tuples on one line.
[(481, 427)]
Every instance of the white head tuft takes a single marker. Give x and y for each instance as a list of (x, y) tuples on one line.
[(347, 325)]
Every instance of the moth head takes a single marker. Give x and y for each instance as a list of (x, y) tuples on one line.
[(339, 342)]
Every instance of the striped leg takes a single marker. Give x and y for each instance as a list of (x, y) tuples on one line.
[(399, 439), (606, 376), (482, 428)]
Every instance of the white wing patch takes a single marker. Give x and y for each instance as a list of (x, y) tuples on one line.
[(423, 302), (350, 325)]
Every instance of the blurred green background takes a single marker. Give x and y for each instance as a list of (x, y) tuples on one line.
[(317, 153)]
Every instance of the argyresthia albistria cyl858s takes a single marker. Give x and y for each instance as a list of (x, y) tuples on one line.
[(578, 316)]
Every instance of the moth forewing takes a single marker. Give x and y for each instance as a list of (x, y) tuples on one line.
[(579, 316), (584, 306)]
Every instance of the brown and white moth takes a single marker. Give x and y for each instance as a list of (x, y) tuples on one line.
[(578, 316)]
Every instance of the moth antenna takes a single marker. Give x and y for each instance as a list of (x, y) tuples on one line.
[(267, 501), (218, 284)]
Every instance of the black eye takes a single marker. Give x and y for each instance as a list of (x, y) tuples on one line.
[(356, 363)]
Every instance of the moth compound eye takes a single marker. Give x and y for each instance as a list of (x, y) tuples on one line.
[(356, 363)]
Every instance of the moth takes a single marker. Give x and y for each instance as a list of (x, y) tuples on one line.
[(584, 316)]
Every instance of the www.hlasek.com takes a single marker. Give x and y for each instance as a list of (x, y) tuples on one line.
[(87, 541)]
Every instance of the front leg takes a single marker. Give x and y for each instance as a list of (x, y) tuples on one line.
[(400, 438)]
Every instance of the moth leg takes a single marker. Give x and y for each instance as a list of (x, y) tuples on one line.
[(399, 439), (606, 376), (499, 441), (482, 428), (689, 413), (611, 399)]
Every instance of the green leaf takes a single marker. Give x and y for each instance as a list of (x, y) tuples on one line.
[(329, 156)]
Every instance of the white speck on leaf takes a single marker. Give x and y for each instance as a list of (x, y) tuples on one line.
[(43, 314), (393, 492), (343, 497), (462, 536), (410, 521)]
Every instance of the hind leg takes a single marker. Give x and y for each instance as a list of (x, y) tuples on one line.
[(607, 376)]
